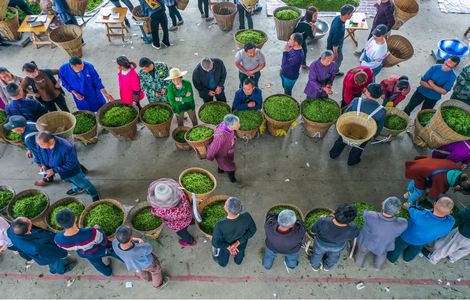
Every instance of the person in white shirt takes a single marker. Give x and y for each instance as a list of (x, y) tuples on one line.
[(375, 50)]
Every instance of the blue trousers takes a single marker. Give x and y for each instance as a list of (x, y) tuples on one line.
[(80, 182), (375, 72), (288, 84), (326, 254), (97, 261), (409, 251), (415, 193), (291, 260)]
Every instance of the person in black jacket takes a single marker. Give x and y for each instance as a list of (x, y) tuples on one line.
[(209, 79), (306, 26)]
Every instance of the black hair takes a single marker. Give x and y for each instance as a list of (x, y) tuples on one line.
[(298, 38), (313, 9), (347, 9), (455, 59), (345, 213), (65, 218), (403, 77), (123, 61), (12, 89), (45, 136), (144, 62), (19, 226), (123, 234), (75, 61), (249, 46), (4, 70), (249, 81), (30, 67), (308, 15)]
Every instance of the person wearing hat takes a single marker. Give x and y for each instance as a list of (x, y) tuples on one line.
[(375, 50), (209, 79), (181, 97), (321, 77), (395, 90), (284, 236), (19, 125), (30, 109), (370, 106), (354, 83), (379, 232), (170, 203)]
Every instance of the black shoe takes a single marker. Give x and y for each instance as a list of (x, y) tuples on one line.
[(96, 198), (426, 253), (220, 171), (166, 44), (231, 176), (84, 170), (339, 74), (73, 192)]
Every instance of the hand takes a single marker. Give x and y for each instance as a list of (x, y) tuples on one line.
[(140, 241), (326, 89), (218, 90), (49, 173), (163, 92), (109, 97), (188, 94), (251, 104), (58, 84), (97, 226), (287, 47), (178, 99), (211, 93), (249, 73), (78, 96), (463, 167), (3, 248), (29, 154), (158, 94)]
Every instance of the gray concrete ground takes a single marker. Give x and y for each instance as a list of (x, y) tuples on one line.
[(123, 170)]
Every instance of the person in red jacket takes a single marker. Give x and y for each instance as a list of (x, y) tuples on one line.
[(355, 81), (436, 174), (395, 90)]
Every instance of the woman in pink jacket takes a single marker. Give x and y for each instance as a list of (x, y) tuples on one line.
[(129, 82)]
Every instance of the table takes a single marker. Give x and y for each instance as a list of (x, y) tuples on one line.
[(357, 22), (114, 27), (39, 34)]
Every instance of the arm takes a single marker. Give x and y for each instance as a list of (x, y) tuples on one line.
[(64, 80), (198, 83), (214, 147), (390, 20), (289, 60), (239, 66), (24, 85), (188, 89), (262, 63), (347, 89), (218, 238), (32, 146), (70, 160), (250, 232), (171, 98), (439, 186), (237, 103), (223, 74), (40, 108), (258, 98), (313, 81), (437, 88)]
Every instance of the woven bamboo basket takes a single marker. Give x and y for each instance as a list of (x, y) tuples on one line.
[(63, 201), (249, 5), (69, 38), (420, 132), (309, 235), (400, 49), (390, 132), (125, 132), (4, 210), (315, 129), (241, 46), (182, 4), (274, 125), (209, 104), (356, 129), (39, 219), (224, 13), (9, 28), (290, 206), (250, 134), (158, 130), (154, 233), (3, 9), (285, 28), (91, 136), (60, 123), (77, 7), (139, 16), (116, 203), (199, 197), (18, 143), (200, 147), (203, 204), (404, 10), (181, 146), (2, 130)]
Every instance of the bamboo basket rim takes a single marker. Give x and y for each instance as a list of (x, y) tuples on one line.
[(135, 210), (271, 120), (284, 8), (312, 211), (103, 201), (201, 205), (286, 204), (256, 128), (41, 123), (6, 120), (200, 141), (423, 111), (7, 188), (303, 103), (88, 112), (397, 112), (62, 201), (152, 104), (224, 4), (103, 109), (209, 104), (24, 194), (178, 129), (450, 103), (404, 5), (198, 170), (362, 116), (257, 30)]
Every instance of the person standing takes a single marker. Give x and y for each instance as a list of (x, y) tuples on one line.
[(462, 86), (336, 35), (46, 88), (209, 79), (321, 77), (84, 83), (175, 16), (138, 256), (30, 109), (6, 244), (385, 16), (458, 152), (437, 81), (152, 79), (242, 13), (395, 90), (63, 10), (203, 6), (292, 58), (249, 61), (306, 26), (331, 236), (222, 148), (379, 232), (89, 243), (6, 77), (155, 9), (248, 97), (231, 234), (37, 244), (129, 83), (181, 96), (424, 227), (284, 236), (375, 50), (354, 83)]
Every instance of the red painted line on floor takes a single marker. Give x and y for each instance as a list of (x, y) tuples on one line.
[(242, 279)]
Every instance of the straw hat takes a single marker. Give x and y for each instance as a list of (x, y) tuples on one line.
[(176, 73)]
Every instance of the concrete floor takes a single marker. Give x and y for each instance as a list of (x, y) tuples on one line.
[(121, 170)]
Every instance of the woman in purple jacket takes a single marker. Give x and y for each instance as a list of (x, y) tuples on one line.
[(321, 76), (222, 147), (458, 152)]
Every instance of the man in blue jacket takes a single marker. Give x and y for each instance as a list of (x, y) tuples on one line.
[(369, 105), (57, 155), (30, 109), (38, 244), (248, 97)]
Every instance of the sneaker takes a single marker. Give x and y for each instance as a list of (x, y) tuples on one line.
[(324, 268), (208, 19), (186, 244), (203, 16), (317, 269), (95, 198), (452, 261), (305, 67), (165, 282), (156, 47), (425, 253), (358, 53), (179, 23), (339, 74), (173, 28), (40, 182), (406, 195), (167, 45), (73, 192), (108, 261)]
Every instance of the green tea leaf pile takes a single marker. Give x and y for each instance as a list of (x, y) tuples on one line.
[(361, 207), (30, 206), (249, 119), (92, 4), (286, 14), (197, 183), (279, 208), (109, 217), (3, 117), (157, 115), (425, 117), (85, 122), (395, 122), (321, 5), (213, 113), (250, 36), (179, 136), (118, 116), (199, 133), (144, 220), (313, 216), (281, 108), (320, 110), (211, 214), (5, 197), (75, 206), (457, 119), (13, 136)]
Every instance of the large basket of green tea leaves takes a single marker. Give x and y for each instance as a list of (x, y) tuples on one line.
[(361, 207), (178, 136), (396, 122), (32, 204), (60, 123), (285, 20), (14, 138), (421, 129), (74, 204), (356, 127), (199, 137), (198, 181), (282, 206), (250, 121), (108, 214), (86, 128), (3, 121), (7, 193), (157, 117), (119, 119), (140, 217), (313, 216), (211, 211), (245, 36), (10, 24), (280, 111), (319, 115), (213, 112)]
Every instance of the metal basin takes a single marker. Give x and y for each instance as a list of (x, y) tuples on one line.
[(322, 29)]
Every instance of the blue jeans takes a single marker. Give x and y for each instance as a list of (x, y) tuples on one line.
[(60, 266), (416, 193), (375, 72), (80, 182), (287, 84), (409, 251), (97, 261), (322, 250), (291, 260)]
